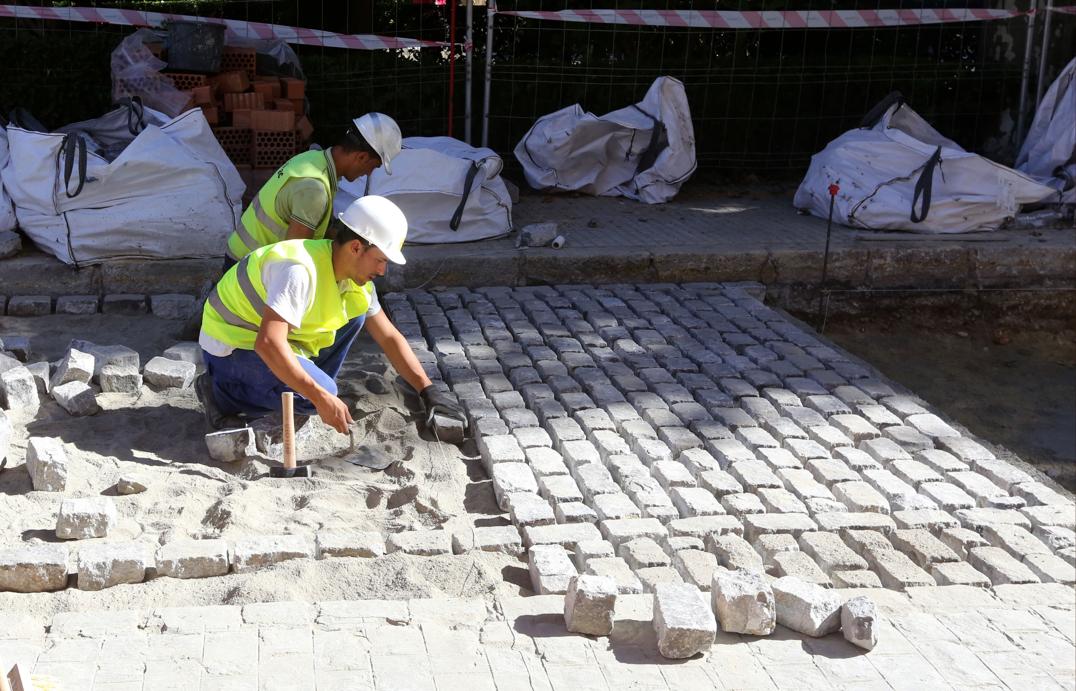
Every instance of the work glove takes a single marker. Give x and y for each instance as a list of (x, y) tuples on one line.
[(437, 402)]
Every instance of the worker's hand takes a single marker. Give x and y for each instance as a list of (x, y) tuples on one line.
[(333, 412), (438, 402)]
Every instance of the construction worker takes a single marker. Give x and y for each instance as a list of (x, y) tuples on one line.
[(283, 319), (297, 202)]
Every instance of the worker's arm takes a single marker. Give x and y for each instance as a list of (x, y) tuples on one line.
[(398, 350), (272, 347), (298, 231)]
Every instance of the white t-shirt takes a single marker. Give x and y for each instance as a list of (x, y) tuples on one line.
[(289, 293)]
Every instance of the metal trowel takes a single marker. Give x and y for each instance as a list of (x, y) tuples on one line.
[(366, 456)]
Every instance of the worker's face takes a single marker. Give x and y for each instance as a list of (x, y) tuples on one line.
[(360, 164), (367, 262)]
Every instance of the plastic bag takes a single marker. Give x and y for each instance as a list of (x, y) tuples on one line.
[(136, 71)]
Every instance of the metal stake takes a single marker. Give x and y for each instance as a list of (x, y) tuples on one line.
[(833, 190)]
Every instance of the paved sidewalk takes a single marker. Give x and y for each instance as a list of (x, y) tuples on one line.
[(708, 233), (1019, 637)]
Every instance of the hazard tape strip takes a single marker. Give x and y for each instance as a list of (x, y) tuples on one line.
[(235, 28), (792, 19), (1071, 9)]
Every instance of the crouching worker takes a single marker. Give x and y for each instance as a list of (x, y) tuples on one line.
[(284, 317)]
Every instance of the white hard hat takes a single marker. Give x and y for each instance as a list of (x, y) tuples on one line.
[(380, 222), (383, 134)]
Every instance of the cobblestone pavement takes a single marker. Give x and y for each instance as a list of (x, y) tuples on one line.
[(655, 433), (1018, 637)]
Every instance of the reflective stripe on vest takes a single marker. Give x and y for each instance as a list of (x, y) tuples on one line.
[(259, 225), (234, 309)]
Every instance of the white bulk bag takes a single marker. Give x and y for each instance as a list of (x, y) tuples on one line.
[(1049, 151), (898, 173), (448, 190), (643, 152), (7, 209), (131, 184)]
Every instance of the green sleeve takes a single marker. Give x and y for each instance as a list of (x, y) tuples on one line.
[(304, 200)]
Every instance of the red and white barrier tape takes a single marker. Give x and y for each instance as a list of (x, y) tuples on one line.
[(235, 28), (1071, 9), (792, 19)]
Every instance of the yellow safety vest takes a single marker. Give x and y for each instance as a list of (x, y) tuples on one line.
[(233, 312), (261, 225)]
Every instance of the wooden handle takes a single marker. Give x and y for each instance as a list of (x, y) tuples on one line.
[(287, 405)]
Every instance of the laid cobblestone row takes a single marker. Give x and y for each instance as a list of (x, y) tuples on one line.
[(691, 429)]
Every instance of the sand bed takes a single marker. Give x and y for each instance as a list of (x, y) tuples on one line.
[(158, 436)]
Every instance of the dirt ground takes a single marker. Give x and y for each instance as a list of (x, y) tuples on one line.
[(158, 436), (1009, 379)]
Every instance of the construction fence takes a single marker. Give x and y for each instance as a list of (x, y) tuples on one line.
[(769, 83)]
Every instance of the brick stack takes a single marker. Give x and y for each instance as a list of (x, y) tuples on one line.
[(259, 120)]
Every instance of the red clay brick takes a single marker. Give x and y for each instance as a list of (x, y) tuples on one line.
[(272, 120), (234, 82), (293, 88)]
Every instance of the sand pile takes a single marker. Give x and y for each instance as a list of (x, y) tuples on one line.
[(157, 436)]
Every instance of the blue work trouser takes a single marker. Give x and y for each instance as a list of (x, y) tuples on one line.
[(244, 384)]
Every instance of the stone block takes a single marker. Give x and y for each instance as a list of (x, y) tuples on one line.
[(107, 355), (896, 570), (781, 501), (107, 564), (978, 519), (742, 504), (683, 621), (526, 509), (185, 351), (29, 306), (511, 477), (19, 390), (806, 608), (46, 461), (611, 507), (958, 573), (701, 527), (230, 445), (961, 540), (172, 306), (855, 579), (794, 524), (193, 558), (164, 373), (84, 518), (502, 448), (948, 496), (839, 522), (695, 501), (557, 489), (361, 544), (931, 425), (1038, 494), (1000, 566), (1053, 515), (621, 531), (124, 303), (858, 618), (589, 605), (865, 542), (119, 379), (719, 483), (643, 553), (801, 566), (653, 576), (565, 535), (830, 552), (934, 520), (627, 582), (1015, 540), (1051, 569), (76, 398), (575, 512), (922, 547), (743, 603), (830, 471), (590, 549), (1054, 537), (504, 539), (550, 568), (734, 553), (77, 304), (696, 567), (770, 545), (754, 475), (40, 372), (33, 568), (422, 543), (252, 553), (75, 366)]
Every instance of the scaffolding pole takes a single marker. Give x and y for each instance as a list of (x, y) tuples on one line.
[(1025, 76), (491, 10), (468, 48), (1040, 86)]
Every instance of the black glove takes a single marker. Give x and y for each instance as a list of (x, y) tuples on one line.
[(437, 402)]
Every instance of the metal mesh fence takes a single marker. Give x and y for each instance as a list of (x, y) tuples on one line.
[(763, 100)]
